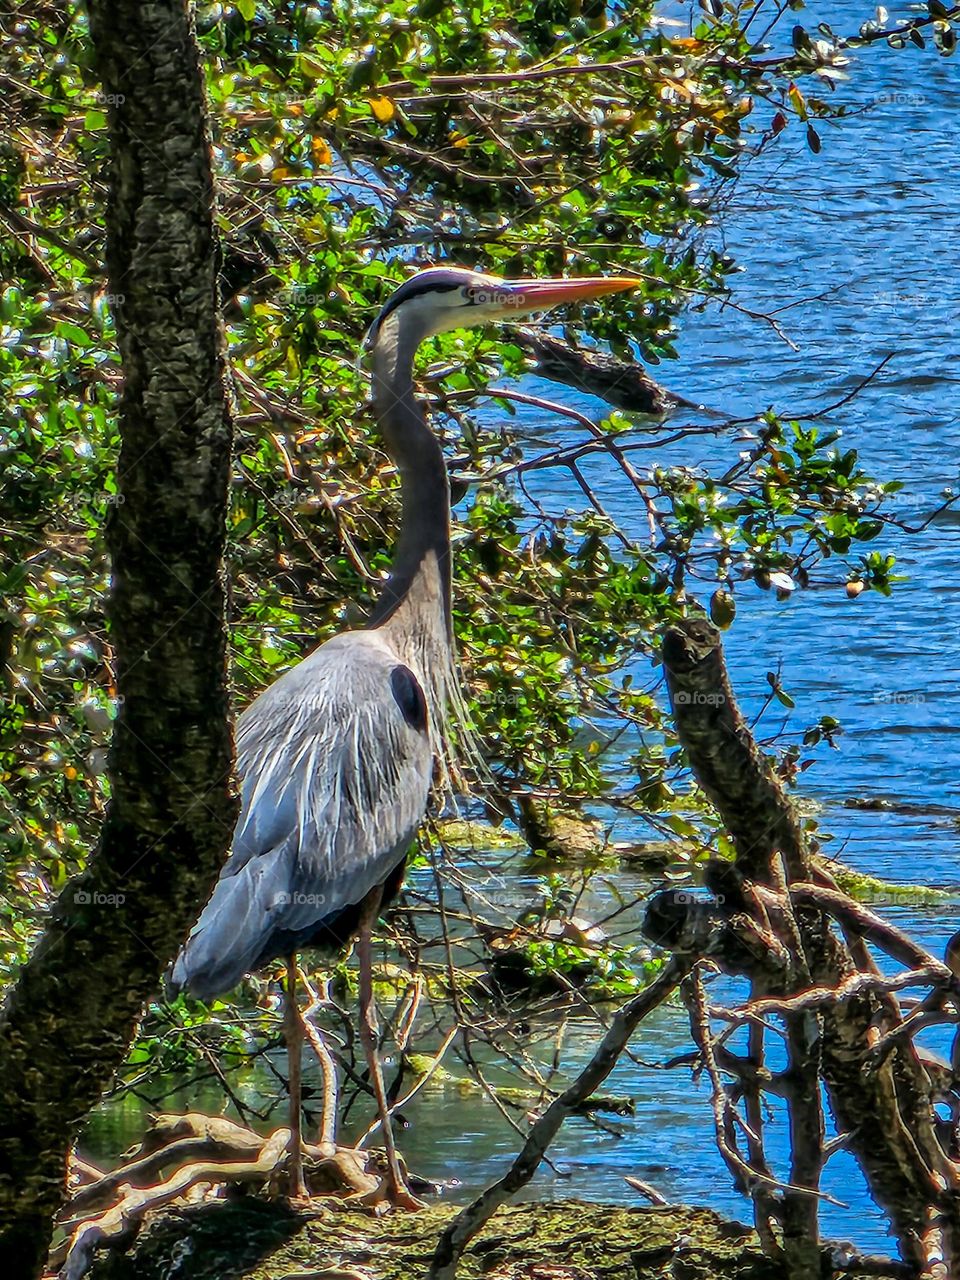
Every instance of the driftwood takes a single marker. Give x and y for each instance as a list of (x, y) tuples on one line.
[(778, 919), (622, 383), (198, 1150)]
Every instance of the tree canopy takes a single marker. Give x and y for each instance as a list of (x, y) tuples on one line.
[(351, 142)]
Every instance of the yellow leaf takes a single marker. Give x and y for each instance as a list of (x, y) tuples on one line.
[(321, 152), (459, 140), (278, 174), (382, 108)]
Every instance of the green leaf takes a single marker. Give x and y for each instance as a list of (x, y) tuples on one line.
[(74, 334), (312, 67)]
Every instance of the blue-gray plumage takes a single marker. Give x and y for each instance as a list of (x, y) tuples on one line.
[(335, 765), (337, 757)]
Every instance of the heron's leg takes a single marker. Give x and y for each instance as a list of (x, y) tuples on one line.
[(369, 1035), (328, 1068), (293, 1031)]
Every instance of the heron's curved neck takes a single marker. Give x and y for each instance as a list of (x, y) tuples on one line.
[(415, 604)]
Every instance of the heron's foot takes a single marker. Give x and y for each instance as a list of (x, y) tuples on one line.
[(298, 1193), (329, 1172), (287, 1178), (393, 1192), (385, 1199), (403, 1198)]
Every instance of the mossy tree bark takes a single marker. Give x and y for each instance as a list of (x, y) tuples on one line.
[(70, 1018)]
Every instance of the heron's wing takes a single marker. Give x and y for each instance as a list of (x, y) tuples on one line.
[(334, 757), (335, 763)]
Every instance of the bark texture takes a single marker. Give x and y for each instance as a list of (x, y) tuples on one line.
[(70, 1018)]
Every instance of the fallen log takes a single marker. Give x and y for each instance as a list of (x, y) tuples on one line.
[(625, 384), (201, 1150)]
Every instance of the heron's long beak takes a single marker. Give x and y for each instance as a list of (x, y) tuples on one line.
[(542, 295)]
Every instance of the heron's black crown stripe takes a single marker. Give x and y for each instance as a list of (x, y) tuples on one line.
[(413, 289)]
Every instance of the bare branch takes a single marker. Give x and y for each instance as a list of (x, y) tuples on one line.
[(469, 1221)]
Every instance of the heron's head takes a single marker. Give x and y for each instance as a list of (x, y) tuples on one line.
[(443, 298)]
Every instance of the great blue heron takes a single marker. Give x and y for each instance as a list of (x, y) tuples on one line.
[(336, 757)]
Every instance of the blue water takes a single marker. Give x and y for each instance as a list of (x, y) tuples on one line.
[(855, 249), (852, 249)]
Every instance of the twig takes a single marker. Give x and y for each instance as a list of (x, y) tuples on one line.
[(851, 395), (421, 1082), (469, 1221)]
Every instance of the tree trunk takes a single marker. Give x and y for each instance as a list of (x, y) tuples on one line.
[(70, 1019), (885, 1110)]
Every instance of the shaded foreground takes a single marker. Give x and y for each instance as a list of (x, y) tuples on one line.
[(565, 1240)]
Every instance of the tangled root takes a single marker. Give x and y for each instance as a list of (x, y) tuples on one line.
[(190, 1156)]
